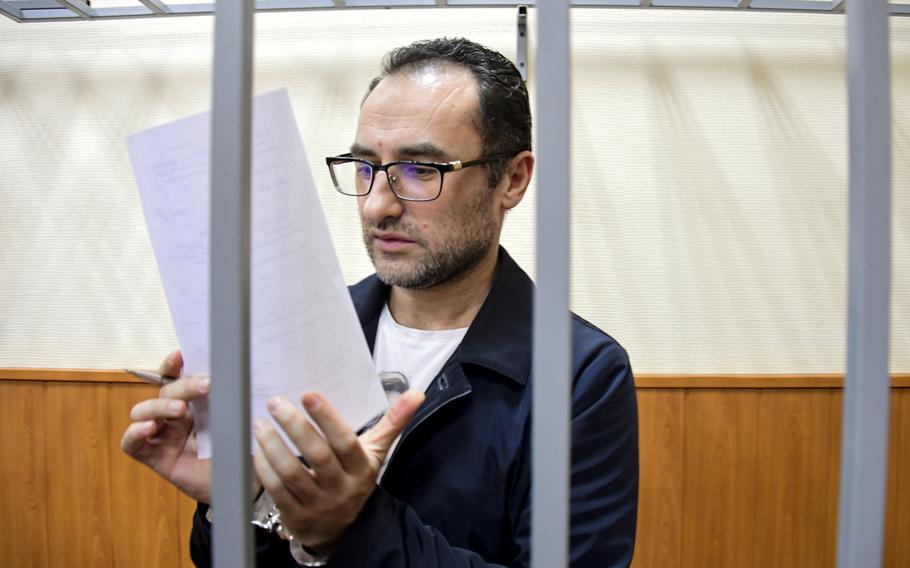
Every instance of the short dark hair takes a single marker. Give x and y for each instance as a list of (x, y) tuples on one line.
[(504, 115)]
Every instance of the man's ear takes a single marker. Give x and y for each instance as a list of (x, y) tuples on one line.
[(516, 179)]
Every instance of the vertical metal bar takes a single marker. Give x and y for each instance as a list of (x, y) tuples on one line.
[(521, 47), (865, 428), (551, 436), (232, 543)]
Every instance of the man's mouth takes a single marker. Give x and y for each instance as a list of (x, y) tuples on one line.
[(390, 241)]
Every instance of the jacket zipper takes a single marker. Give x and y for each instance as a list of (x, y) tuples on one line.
[(404, 436)]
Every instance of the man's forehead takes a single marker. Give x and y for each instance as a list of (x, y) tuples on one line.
[(427, 108), (424, 94), (429, 79)]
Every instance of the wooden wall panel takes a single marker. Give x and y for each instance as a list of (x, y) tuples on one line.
[(835, 441), (185, 507), (140, 499), (661, 448), (23, 495), (730, 477), (792, 526), (897, 527), (719, 478), (78, 475)]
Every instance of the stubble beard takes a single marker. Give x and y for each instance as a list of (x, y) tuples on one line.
[(466, 239)]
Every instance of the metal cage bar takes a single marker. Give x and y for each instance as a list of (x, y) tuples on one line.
[(867, 386), (229, 283), (44, 10), (10, 11), (156, 6), (551, 437)]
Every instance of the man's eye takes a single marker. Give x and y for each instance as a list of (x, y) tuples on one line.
[(364, 170), (419, 172)]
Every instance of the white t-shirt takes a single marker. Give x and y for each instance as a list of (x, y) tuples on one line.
[(418, 354)]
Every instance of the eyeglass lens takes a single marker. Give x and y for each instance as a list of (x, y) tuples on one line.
[(409, 181)]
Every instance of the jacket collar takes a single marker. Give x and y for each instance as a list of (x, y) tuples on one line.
[(498, 339)]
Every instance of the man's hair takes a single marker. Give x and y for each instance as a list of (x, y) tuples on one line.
[(504, 114)]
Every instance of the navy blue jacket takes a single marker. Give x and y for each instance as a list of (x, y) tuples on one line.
[(456, 492)]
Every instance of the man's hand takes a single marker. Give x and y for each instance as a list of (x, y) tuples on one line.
[(319, 502), (162, 437)]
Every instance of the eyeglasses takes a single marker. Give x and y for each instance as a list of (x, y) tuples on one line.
[(410, 181)]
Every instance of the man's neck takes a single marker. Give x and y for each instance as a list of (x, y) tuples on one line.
[(449, 305)]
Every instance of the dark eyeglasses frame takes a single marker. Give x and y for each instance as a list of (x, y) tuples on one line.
[(441, 167)]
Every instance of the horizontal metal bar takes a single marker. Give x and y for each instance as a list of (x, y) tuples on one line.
[(265, 5), (79, 7), (34, 4), (600, 4), (124, 12), (45, 10), (709, 4), (488, 3), (10, 11), (382, 4), (49, 15), (156, 6), (792, 5)]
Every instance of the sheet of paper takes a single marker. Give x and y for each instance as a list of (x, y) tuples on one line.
[(305, 332)]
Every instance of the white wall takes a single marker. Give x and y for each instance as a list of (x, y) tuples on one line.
[(709, 200)]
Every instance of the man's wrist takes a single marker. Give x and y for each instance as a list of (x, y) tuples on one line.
[(306, 556)]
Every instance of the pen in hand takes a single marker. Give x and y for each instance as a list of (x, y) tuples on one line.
[(152, 377)]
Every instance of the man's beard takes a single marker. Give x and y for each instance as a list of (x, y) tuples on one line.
[(468, 239)]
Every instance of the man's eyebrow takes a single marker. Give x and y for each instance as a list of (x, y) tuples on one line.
[(424, 150), (358, 150)]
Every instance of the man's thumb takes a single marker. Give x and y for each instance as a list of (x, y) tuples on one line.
[(390, 426)]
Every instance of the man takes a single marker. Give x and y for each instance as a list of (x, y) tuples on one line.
[(442, 152)]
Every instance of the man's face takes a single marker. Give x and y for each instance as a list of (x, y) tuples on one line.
[(427, 115)]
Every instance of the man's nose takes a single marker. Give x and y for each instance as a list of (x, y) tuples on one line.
[(381, 202)]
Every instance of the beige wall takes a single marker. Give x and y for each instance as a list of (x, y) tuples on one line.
[(709, 222)]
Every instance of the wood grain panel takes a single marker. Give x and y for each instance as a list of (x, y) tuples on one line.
[(78, 477), (719, 485), (23, 503), (729, 477), (660, 422), (836, 413), (792, 523), (753, 381), (897, 527), (141, 502), (186, 507)]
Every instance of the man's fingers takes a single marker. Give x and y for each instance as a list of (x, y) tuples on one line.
[(341, 438), (313, 447), (157, 409), (136, 435), (284, 467), (172, 364), (186, 388), (271, 482), (381, 436)]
